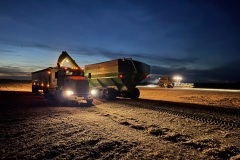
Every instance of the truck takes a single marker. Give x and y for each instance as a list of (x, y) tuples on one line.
[(117, 77), (62, 83)]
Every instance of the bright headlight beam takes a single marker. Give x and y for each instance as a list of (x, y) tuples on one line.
[(68, 92), (93, 92)]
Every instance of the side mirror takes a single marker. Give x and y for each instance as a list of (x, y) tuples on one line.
[(89, 75), (56, 74)]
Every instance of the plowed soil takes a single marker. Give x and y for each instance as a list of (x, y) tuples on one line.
[(162, 124)]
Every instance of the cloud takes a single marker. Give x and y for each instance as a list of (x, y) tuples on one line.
[(27, 44), (12, 71), (228, 72), (160, 64), (5, 51), (152, 59)]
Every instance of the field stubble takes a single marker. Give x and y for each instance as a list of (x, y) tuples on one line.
[(35, 128)]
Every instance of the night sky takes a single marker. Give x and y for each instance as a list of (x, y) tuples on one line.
[(197, 39)]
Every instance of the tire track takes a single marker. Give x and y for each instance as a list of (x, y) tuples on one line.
[(189, 111)]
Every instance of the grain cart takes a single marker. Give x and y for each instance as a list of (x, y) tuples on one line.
[(62, 83), (116, 78)]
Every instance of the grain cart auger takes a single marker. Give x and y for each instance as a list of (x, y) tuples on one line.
[(65, 57), (62, 83), (116, 78)]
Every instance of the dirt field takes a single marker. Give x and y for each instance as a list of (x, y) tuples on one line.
[(162, 124)]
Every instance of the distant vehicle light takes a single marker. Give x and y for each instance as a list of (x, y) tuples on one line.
[(177, 77), (69, 92), (147, 76)]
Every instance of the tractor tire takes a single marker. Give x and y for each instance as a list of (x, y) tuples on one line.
[(109, 94), (135, 93)]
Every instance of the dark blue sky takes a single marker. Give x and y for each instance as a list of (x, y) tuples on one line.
[(198, 39)]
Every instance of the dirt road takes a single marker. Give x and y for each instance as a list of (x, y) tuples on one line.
[(35, 128)]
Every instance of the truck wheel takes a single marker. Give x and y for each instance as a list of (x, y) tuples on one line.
[(60, 98), (135, 93), (89, 101), (50, 96), (34, 89), (46, 93), (109, 94)]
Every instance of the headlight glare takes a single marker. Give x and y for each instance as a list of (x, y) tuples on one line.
[(93, 92), (69, 92)]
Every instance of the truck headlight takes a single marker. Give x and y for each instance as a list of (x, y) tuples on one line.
[(93, 92), (69, 93)]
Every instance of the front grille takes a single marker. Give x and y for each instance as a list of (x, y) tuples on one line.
[(82, 87)]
